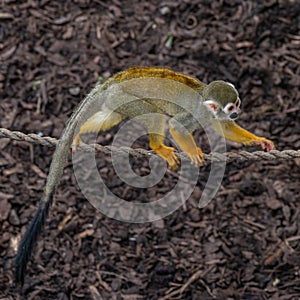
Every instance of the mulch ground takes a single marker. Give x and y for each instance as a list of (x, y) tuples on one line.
[(245, 243)]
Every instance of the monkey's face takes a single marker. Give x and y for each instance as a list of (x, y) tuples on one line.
[(222, 100)]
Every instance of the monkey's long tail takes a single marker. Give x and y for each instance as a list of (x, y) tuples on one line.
[(56, 170), (30, 237), (33, 231)]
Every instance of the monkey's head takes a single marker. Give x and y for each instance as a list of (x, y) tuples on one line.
[(222, 100)]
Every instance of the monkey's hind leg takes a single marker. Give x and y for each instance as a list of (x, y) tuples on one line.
[(100, 121), (167, 153), (156, 124)]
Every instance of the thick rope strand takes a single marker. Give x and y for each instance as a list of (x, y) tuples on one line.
[(212, 157)]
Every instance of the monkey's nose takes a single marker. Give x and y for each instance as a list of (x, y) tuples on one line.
[(233, 115)]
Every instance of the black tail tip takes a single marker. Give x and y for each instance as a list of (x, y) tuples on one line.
[(29, 239), (19, 273)]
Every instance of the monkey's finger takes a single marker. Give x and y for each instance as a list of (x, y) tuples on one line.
[(197, 158), (173, 161), (267, 145)]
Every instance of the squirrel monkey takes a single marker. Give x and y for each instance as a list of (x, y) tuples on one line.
[(148, 94), (146, 97)]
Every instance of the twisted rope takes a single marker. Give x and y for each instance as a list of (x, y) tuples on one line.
[(212, 157)]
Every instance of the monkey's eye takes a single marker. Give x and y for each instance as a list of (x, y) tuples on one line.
[(229, 108)]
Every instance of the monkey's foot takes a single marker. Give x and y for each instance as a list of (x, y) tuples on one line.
[(77, 140), (265, 144), (168, 154), (196, 156)]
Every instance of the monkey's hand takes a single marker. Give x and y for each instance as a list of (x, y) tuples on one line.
[(196, 156), (264, 143)]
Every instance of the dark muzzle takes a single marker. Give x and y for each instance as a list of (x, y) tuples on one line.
[(233, 116)]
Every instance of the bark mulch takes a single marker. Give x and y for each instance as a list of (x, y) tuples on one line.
[(245, 243)]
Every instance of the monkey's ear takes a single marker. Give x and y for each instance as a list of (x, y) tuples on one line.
[(212, 105)]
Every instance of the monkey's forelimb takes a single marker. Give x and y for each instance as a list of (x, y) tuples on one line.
[(84, 109)]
